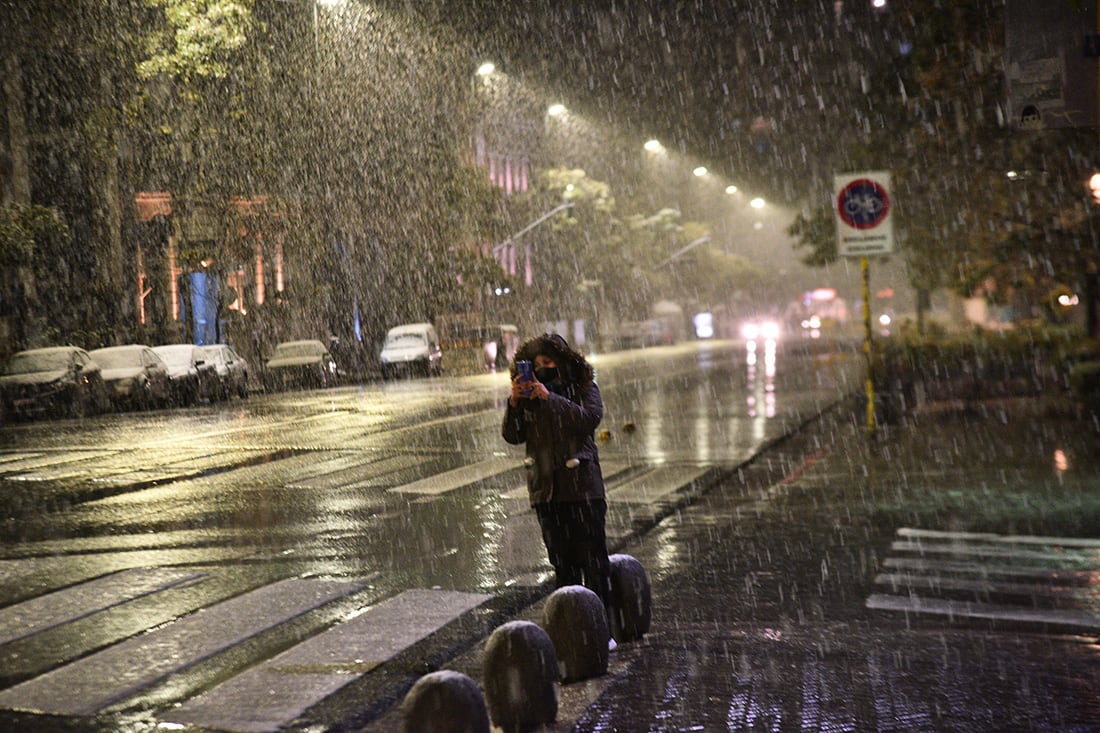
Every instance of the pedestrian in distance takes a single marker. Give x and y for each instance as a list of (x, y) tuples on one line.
[(554, 409)]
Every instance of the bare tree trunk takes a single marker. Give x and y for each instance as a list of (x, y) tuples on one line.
[(15, 186), (106, 196)]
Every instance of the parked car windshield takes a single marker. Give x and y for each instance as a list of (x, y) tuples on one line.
[(283, 350), (176, 355), (218, 355), (405, 339), (117, 358), (39, 361)]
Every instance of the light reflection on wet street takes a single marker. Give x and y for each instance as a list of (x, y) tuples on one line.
[(796, 587), (761, 588), (406, 483)]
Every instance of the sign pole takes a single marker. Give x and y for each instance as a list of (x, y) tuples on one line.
[(864, 228), (865, 270)]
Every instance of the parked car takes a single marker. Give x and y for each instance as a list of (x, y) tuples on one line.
[(411, 348), (135, 375), (300, 364), (194, 376), (60, 380), (232, 370)]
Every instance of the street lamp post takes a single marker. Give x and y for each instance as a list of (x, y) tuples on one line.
[(690, 245), (511, 240)]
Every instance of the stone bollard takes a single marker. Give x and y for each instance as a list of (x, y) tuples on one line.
[(631, 602), (519, 673), (444, 702), (576, 621)]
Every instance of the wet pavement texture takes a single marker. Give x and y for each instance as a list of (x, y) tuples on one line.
[(761, 588)]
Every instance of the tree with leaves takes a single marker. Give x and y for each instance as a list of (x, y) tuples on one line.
[(982, 209)]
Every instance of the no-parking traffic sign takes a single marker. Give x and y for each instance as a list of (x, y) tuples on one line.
[(864, 223)]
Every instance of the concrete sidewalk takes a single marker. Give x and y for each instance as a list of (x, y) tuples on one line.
[(939, 577)]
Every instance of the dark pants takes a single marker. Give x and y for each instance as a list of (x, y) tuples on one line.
[(576, 544)]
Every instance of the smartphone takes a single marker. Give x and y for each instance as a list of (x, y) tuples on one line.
[(524, 370)]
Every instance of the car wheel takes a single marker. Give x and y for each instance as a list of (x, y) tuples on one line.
[(101, 401), (78, 407), (143, 396)]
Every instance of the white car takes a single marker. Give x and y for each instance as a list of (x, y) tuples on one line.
[(304, 363), (411, 348)]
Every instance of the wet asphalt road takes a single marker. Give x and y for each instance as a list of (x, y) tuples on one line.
[(364, 483), (774, 567), (762, 587)]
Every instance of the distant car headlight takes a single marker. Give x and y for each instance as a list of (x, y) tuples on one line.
[(768, 330)]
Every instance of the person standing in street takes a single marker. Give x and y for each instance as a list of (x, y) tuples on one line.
[(555, 412)]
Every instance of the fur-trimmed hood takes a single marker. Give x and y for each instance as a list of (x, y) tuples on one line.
[(572, 366)]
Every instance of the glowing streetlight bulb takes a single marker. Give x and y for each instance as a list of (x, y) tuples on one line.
[(654, 146), (731, 189), (700, 171), (555, 109), (757, 203), (486, 68)]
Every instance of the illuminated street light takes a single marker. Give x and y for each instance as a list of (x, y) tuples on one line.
[(1094, 186), (654, 146), (486, 68), (757, 203), (700, 171), (556, 109), (731, 188)]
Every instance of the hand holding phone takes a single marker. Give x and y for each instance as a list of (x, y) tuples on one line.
[(525, 380), (525, 371)]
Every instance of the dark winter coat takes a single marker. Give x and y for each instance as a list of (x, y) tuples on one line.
[(557, 430)]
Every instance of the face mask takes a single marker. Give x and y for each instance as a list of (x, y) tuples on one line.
[(547, 375)]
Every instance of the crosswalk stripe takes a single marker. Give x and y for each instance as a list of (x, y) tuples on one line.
[(656, 484), (28, 464), (1077, 559), (367, 471), (904, 581), (1084, 620), (92, 683), (8, 458), (457, 478), (1083, 542), (1080, 577), (63, 606), (1010, 578), (280, 690)]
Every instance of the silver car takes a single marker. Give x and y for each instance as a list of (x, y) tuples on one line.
[(232, 369), (135, 376), (60, 380), (193, 376)]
